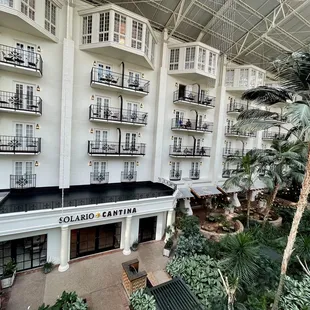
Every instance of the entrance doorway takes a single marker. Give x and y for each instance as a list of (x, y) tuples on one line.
[(96, 239), (147, 229)]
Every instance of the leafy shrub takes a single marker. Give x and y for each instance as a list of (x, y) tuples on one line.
[(189, 225), (67, 301), (139, 300), (191, 245), (200, 273), (296, 295), (169, 244)]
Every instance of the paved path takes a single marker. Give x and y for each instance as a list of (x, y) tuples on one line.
[(97, 278)]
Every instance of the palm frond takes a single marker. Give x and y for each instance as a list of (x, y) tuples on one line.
[(253, 125), (266, 95), (256, 114)]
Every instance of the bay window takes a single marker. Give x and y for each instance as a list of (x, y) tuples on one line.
[(212, 63), (190, 58), (202, 59), (174, 59), (28, 8), (87, 29), (50, 17), (230, 75), (119, 28), (104, 21), (136, 35)]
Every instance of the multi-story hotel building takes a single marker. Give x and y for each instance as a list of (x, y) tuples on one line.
[(104, 124)]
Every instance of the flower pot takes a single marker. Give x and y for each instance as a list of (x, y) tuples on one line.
[(166, 252), (8, 281), (47, 270)]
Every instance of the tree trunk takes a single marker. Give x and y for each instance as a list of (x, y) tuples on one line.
[(300, 208), (271, 199), (248, 209)]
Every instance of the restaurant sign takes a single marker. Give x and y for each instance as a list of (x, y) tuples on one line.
[(91, 215)]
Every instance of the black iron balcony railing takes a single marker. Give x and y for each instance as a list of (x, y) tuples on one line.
[(270, 135), (191, 124), (23, 181), (119, 80), (277, 117), (21, 58), (129, 176), (194, 174), (98, 112), (175, 175), (230, 131), (227, 173), (236, 107), (19, 144), (184, 151), (115, 148), (193, 97), (99, 177), (234, 152), (20, 102)]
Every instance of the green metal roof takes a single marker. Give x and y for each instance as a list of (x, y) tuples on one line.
[(174, 295)]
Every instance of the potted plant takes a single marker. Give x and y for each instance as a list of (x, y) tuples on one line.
[(168, 247), (134, 246), (9, 273), (48, 267)]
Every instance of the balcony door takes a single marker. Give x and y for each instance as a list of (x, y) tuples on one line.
[(27, 57), (195, 169), (24, 134), (227, 147), (132, 111), (102, 107), (175, 169), (104, 71), (179, 117), (182, 89), (130, 141), (129, 169), (101, 139), (177, 144), (198, 146), (23, 171), (100, 168), (134, 79), (24, 97)]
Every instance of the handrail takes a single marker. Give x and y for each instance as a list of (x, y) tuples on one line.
[(20, 144)]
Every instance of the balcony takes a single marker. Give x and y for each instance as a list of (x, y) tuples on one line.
[(99, 177), (12, 17), (227, 173), (241, 78), (270, 135), (22, 181), (189, 98), (235, 108), (118, 82), (175, 175), (116, 115), (194, 174), (191, 125), (21, 61), (231, 132), (16, 103), (189, 151), (276, 119), (104, 148), (234, 152), (194, 61), (128, 176), (20, 145)]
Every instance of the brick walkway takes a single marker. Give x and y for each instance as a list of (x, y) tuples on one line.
[(97, 278)]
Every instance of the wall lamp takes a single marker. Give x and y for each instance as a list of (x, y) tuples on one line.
[(37, 126), (36, 163), (38, 88), (90, 163), (91, 130)]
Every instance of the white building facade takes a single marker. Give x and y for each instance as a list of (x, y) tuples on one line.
[(95, 102)]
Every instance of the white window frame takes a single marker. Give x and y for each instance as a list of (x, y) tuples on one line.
[(202, 54), (174, 59), (212, 63), (190, 53), (7, 3), (230, 76), (147, 41), (28, 7), (136, 34), (119, 32), (153, 50), (244, 77), (104, 26), (87, 29), (50, 17)]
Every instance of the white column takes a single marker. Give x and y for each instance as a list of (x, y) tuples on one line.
[(169, 222), (64, 249), (127, 250)]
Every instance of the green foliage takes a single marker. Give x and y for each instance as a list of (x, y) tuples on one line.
[(200, 272), (169, 244), (9, 269), (189, 225), (259, 302), (191, 245), (139, 300), (241, 257), (296, 295), (67, 301)]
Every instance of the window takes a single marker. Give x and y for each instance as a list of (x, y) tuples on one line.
[(202, 59), (130, 141), (253, 78), (101, 108), (100, 167), (134, 79), (28, 8), (119, 28), (104, 71), (212, 63), (87, 29), (175, 172), (7, 2), (104, 21), (50, 17), (25, 96), (153, 51), (260, 79), (174, 59), (147, 42), (244, 77), (136, 35), (190, 58), (230, 75)]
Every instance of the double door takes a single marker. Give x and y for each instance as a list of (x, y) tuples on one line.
[(96, 239), (147, 229), (130, 142), (24, 174), (24, 137), (24, 97), (26, 55)]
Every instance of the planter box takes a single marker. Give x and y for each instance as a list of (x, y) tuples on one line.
[(166, 252), (8, 282), (275, 223)]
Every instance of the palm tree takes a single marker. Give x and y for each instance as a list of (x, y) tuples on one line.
[(279, 166), (293, 71), (243, 177)]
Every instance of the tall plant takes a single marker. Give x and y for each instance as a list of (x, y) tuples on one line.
[(293, 71), (244, 177)]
